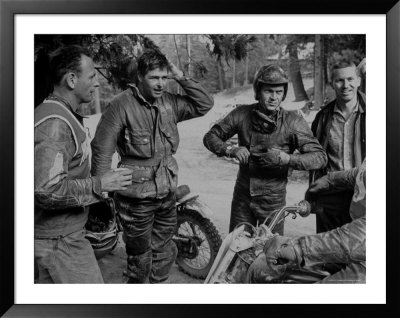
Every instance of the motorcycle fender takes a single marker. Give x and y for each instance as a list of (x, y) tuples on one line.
[(200, 207), (234, 242)]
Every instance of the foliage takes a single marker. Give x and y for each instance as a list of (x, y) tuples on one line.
[(216, 60)]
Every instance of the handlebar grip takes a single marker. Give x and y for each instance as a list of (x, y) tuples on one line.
[(304, 208)]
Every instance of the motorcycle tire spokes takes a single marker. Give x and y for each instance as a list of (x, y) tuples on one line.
[(196, 256)]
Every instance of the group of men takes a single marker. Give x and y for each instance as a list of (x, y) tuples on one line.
[(141, 124)]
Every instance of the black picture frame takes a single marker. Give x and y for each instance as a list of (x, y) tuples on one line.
[(8, 9)]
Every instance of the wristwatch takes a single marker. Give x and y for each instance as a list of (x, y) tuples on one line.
[(228, 151)]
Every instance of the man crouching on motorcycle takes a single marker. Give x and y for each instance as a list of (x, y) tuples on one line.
[(344, 245)]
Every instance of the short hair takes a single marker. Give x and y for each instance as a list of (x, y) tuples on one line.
[(65, 59), (151, 60), (344, 64)]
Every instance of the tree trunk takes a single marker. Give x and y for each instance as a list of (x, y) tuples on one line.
[(188, 51), (294, 72), (319, 80), (97, 107), (234, 73), (178, 63), (246, 69), (220, 76)]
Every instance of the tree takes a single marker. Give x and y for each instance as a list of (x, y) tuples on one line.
[(115, 56), (231, 48), (319, 74), (294, 69)]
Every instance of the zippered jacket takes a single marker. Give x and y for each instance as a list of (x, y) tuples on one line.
[(146, 136), (292, 133)]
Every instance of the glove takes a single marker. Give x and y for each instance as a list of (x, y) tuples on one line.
[(262, 271), (284, 251), (320, 185), (273, 157), (240, 153)]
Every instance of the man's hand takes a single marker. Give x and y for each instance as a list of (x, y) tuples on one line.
[(116, 180), (240, 153), (283, 250), (320, 185), (273, 157), (263, 271), (175, 72)]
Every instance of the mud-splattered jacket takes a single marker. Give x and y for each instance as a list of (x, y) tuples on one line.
[(146, 136), (63, 187), (345, 244), (291, 133)]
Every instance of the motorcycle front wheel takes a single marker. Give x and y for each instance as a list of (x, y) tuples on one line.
[(205, 241)]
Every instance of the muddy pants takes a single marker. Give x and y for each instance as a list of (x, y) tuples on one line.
[(246, 208), (148, 226), (66, 259)]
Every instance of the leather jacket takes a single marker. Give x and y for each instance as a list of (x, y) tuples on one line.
[(146, 136), (291, 133), (63, 187), (345, 244)]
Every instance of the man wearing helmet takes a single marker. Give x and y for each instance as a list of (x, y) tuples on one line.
[(268, 136)]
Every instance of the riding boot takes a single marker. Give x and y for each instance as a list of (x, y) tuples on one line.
[(138, 268)]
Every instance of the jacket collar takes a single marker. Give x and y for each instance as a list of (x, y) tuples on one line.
[(278, 114), (136, 92), (66, 104), (361, 101)]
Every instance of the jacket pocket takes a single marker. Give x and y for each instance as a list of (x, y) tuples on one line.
[(138, 143), (172, 170), (143, 185)]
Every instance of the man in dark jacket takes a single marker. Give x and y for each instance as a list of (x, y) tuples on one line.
[(344, 245), (340, 129), (268, 136), (141, 123), (63, 186)]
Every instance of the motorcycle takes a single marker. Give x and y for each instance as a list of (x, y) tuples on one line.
[(196, 237), (242, 246)]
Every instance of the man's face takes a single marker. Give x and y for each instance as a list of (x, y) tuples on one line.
[(87, 82), (271, 97), (345, 82), (153, 83)]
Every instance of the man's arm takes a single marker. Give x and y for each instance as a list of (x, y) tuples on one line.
[(105, 140), (312, 156), (196, 103), (333, 181), (54, 149), (345, 244), (215, 139)]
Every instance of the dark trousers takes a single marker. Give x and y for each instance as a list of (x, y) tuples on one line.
[(334, 211), (148, 226), (254, 209)]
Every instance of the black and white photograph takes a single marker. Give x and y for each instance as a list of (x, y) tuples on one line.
[(179, 159), (191, 158)]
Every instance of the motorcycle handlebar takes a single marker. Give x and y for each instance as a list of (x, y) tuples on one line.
[(303, 208)]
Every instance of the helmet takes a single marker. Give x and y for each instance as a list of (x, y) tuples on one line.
[(270, 74), (101, 227)]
